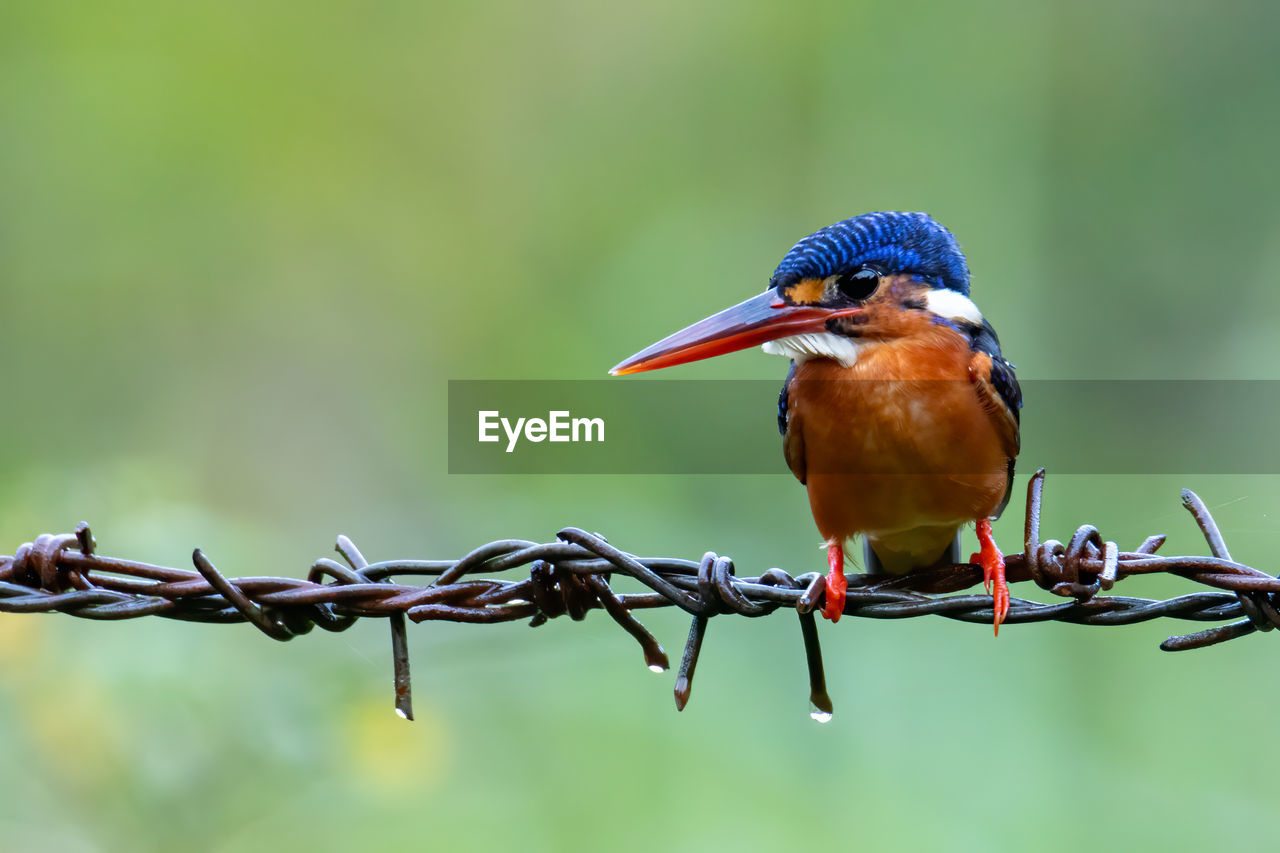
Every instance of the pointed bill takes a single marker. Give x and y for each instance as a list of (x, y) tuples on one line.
[(761, 318)]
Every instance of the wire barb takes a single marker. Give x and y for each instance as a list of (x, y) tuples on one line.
[(574, 575)]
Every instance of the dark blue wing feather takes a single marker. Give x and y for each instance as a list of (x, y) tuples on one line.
[(983, 339), (782, 400)]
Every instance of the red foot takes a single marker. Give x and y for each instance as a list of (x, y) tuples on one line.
[(992, 562), (833, 605)]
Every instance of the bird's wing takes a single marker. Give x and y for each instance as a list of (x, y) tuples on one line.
[(789, 426), (1000, 396), (996, 384)]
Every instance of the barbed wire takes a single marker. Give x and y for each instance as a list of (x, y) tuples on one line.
[(572, 576)]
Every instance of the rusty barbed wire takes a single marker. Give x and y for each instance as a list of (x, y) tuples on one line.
[(571, 576)]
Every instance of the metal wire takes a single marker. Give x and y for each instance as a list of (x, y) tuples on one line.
[(571, 576)]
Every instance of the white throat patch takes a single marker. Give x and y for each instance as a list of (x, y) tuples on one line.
[(800, 348)]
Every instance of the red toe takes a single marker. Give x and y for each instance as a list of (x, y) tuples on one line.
[(833, 599), (833, 606), (993, 578)]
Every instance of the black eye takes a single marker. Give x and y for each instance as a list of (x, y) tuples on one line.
[(860, 283)]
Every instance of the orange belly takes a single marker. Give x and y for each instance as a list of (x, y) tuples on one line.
[(898, 447)]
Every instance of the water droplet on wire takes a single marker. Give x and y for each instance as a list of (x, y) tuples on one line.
[(819, 714)]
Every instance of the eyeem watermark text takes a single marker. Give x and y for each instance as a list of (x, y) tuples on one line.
[(558, 426)]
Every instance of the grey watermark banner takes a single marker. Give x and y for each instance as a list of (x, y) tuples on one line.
[(629, 426)]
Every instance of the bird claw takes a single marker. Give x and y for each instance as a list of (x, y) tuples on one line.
[(993, 577), (833, 605), (836, 584)]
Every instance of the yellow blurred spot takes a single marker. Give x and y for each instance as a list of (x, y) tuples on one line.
[(73, 724), (20, 637), (391, 754)]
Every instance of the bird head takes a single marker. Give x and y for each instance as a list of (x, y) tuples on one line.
[(871, 277)]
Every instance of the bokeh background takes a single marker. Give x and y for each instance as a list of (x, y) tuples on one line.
[(243, 247)]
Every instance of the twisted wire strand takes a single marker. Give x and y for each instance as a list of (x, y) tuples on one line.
[(572, 576)]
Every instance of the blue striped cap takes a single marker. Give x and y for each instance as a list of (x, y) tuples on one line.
[(911, 243)]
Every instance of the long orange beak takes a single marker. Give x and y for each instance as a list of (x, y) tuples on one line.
[(759, 319)]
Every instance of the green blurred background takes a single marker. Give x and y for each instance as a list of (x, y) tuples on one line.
[(243, 246)]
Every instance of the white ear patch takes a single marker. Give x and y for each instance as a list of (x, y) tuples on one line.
[(801, 348), (952, 306)]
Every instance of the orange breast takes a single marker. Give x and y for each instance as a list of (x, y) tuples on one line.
[(898, 442)]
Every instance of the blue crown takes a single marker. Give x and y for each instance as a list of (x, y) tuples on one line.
[(897, 243)]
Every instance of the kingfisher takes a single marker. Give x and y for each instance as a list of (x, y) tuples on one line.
[(899, 415)]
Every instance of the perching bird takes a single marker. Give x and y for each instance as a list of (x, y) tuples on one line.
[(899, 413)]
